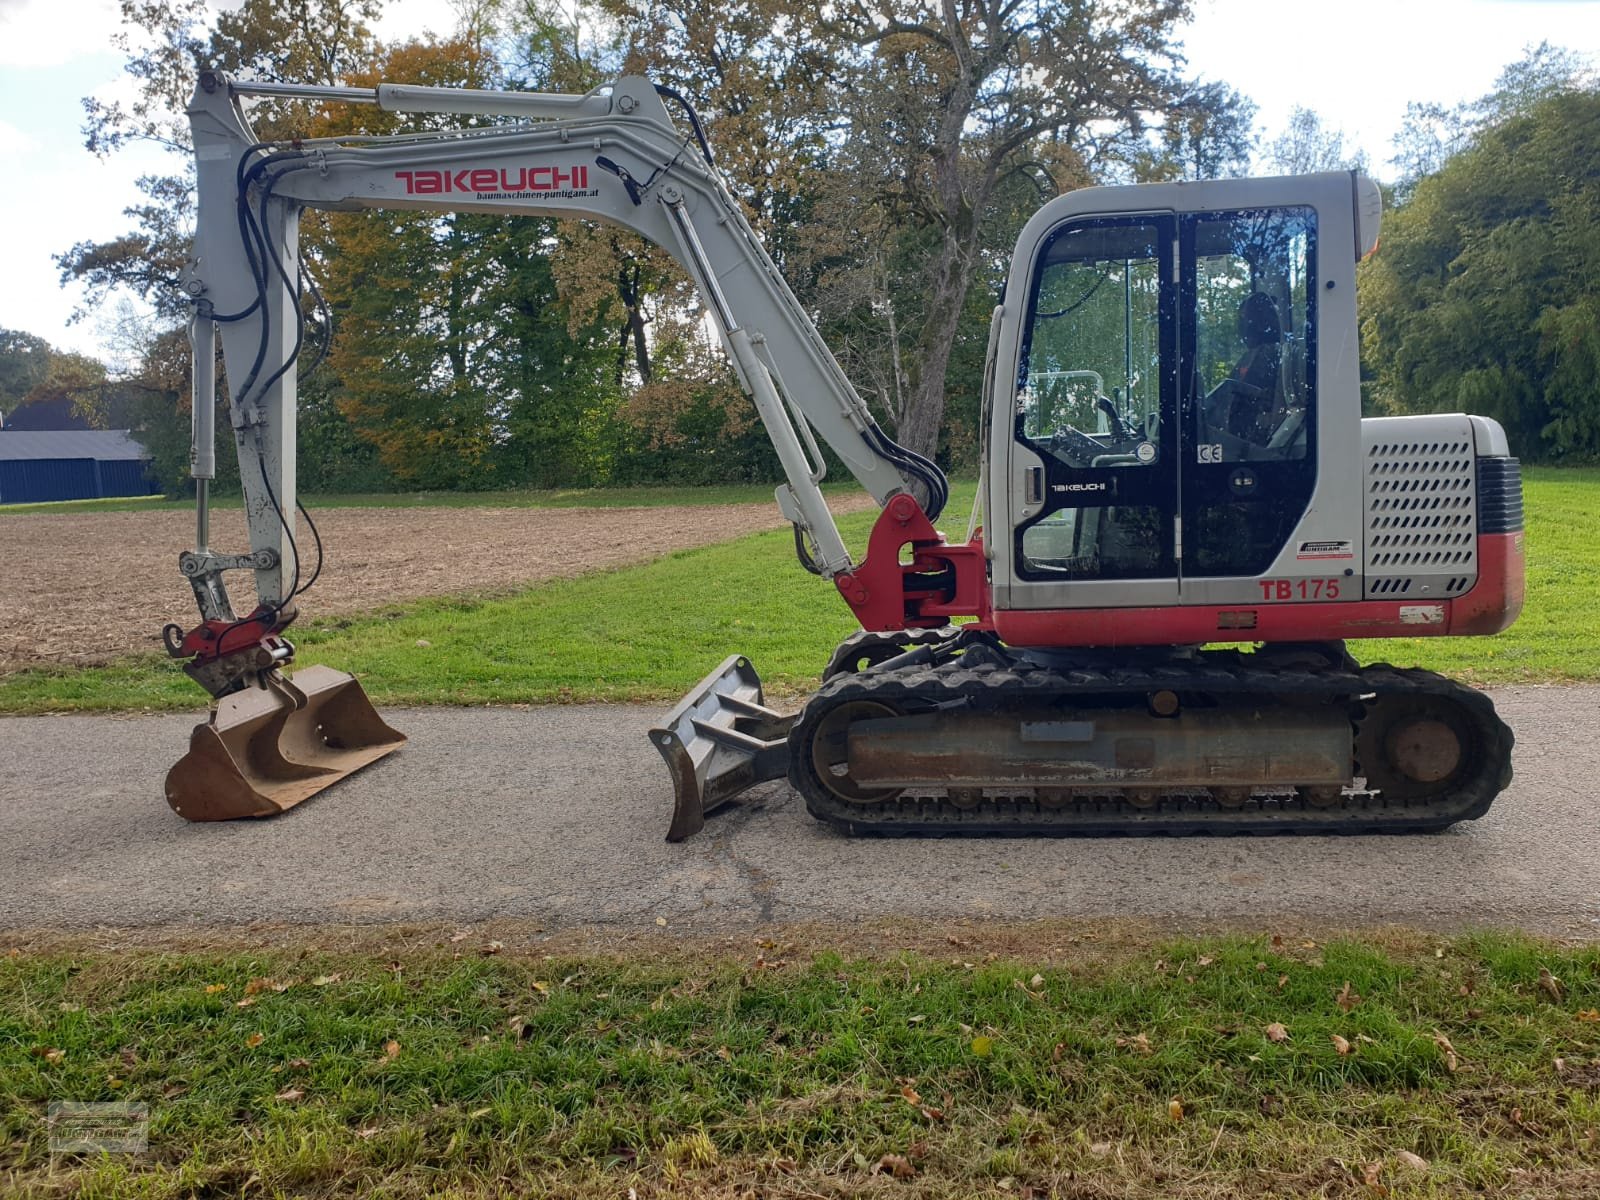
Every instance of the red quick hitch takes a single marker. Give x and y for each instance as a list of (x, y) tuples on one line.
[(940, 582)]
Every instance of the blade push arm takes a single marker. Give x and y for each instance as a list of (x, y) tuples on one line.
[(613, 155)]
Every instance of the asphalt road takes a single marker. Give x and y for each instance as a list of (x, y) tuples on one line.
[(557, 814)]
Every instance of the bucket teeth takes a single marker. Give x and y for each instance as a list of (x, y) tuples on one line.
[(718, 741), (265, 749)]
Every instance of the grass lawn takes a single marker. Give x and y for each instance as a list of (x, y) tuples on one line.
[(648, 633), (1033, 1062)]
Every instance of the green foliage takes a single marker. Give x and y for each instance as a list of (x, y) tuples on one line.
[(24, 363), (993, 1061), (1483, 297)]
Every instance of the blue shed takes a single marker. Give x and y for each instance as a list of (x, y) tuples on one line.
[(71, 464)]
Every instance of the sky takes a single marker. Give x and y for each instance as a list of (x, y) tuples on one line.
[(1357, 63)]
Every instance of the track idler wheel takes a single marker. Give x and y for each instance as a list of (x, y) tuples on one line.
[(1416, 749), (826, 760)]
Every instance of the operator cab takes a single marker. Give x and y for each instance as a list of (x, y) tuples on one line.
[(1165, 424)]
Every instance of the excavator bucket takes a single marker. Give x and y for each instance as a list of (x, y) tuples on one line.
[(718, 741), (265, 749)]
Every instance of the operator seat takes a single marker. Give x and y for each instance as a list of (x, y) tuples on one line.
[(1249, 403)]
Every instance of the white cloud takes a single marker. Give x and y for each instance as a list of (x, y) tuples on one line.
[(13, 141), (48, 33)]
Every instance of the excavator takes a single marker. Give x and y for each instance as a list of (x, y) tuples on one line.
[(1184, 513)]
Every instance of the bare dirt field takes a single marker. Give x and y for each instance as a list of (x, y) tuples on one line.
[(84, 588)]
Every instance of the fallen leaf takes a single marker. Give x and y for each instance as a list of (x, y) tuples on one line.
[(49, 1053), (260, 985), (213, 989), (1277, 1033), (1059, 1051), (661, 920), (1371, 1174), (298, 1064), (1271, 1104), (917, 1019), (1205, 960), (255, 1039), (292, 1093), (983, 1046), (324, 980), (65, 1007), (1139, 1042), (1551, 986), (479, 1112), (1036, 982), (1100, 1149), (1175, 1109), (910, 1093), (423, 643), (541, 987), (1415, 1161), (1451, 1061), (1347, 998), (247, 1002), (460, 935), (933, 1114), (1589, 1014), (1282, 981), (896, 1165), (492, 948), (1277, 941), (1342, 1046), (391, 1049)]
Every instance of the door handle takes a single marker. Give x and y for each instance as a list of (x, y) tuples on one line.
[(1035, 484)]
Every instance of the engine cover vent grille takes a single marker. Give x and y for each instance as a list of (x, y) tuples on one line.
[(1422, 526)]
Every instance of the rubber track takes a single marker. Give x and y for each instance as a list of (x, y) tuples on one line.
[(1182, 811)]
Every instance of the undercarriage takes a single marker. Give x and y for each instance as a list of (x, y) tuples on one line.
[(939, 732)]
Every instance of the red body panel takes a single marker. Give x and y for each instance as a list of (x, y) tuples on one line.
[(942, 582)]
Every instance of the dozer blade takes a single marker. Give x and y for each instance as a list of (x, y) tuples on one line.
[(265, 749), (718, 741)]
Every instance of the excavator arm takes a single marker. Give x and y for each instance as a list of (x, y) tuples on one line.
[(612, 155)]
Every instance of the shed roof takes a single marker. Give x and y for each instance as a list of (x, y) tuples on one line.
[(104, 444)]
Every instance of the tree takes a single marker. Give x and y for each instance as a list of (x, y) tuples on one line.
[(24, 363), (167, 43), (1484, 296), (876, 141), (454, 355), (1431, 133), (1208, 132), (949, 102), (1306, 146)]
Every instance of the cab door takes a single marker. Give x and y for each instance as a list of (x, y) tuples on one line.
[(1249, 356), (1094, 456)]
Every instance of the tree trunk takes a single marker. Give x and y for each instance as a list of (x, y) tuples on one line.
[(918, 429)]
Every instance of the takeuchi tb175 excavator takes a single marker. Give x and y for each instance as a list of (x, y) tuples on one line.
[(1184, 512)]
